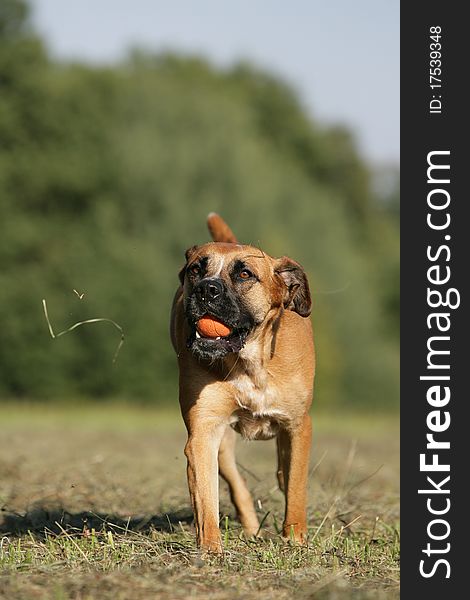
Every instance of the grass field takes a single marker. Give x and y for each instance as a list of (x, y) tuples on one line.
[(95, 506)]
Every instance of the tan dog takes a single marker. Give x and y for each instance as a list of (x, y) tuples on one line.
[(257, 380)]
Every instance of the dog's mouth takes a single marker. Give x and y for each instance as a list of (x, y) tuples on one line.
[(205, 341)]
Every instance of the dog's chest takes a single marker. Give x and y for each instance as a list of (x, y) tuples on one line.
[(255, 394), (259, 414)]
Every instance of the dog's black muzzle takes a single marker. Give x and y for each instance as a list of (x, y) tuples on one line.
[(212, 297)]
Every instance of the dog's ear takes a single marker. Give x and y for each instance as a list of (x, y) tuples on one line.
[(189, 252), (296, 292)]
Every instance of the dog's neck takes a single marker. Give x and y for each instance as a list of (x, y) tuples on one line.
[(253, 359)]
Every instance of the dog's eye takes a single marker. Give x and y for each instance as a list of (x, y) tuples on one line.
[(245, 274), (195, 269)]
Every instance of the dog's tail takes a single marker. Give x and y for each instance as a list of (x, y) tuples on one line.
[(219, 229)]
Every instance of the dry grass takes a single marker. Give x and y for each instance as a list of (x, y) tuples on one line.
[(94, 505)]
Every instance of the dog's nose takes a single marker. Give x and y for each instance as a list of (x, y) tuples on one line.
[(209, 289)]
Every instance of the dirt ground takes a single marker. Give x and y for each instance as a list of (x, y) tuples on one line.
[(94, 504)]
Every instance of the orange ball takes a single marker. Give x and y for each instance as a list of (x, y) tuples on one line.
[(211, 328)]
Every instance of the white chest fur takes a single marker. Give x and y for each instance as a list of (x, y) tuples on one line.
[(254, 390), (259, 400)]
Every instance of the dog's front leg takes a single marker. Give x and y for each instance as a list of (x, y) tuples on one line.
[(294, 450), (201, 451)]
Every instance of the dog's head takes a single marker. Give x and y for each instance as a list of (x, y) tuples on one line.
[(239, 286)]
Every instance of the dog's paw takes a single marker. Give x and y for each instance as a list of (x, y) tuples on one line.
[(295, 533), (211, 546)]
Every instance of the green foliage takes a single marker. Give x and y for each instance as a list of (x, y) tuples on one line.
[(106, 177)]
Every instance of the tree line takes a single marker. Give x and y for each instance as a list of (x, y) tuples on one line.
[(106, 177)]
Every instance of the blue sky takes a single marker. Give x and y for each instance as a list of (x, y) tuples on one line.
[(341, 56)]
